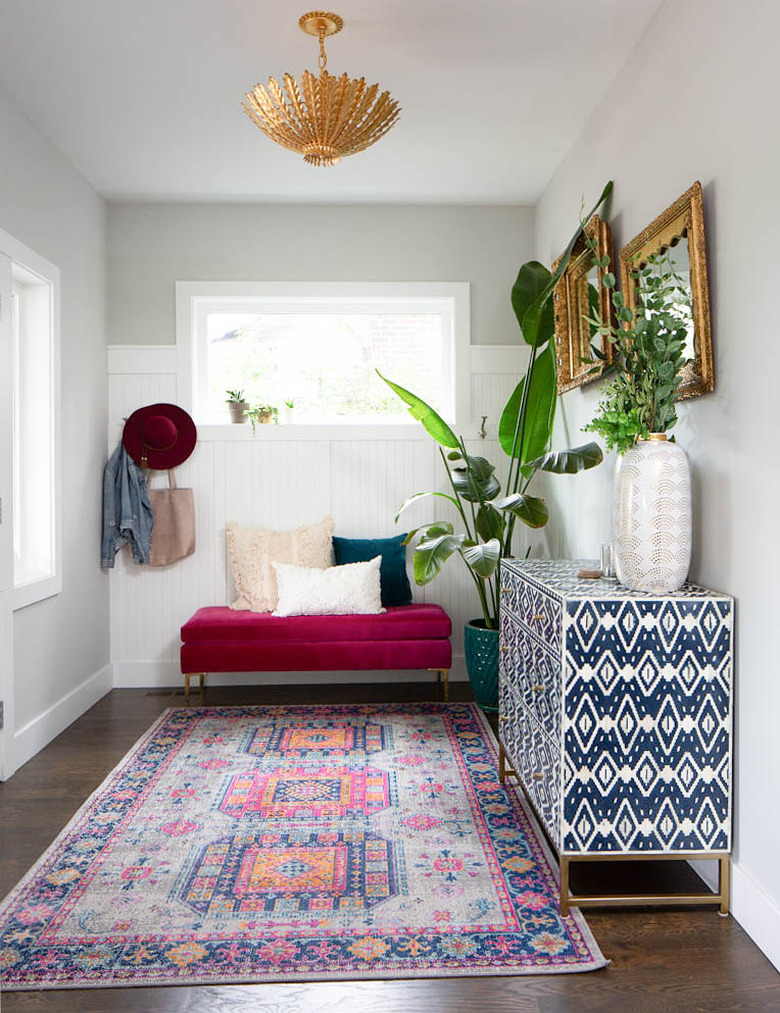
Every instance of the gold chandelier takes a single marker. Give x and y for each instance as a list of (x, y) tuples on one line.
[(323, 118)]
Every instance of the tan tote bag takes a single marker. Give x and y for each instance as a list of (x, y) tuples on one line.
[(173, 534)]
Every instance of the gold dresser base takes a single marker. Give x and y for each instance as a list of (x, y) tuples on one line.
[(568, 900)]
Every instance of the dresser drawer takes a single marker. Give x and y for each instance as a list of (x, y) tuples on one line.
[(540, 614), (541, 777), (533, 756), (540, 687), (532, 672), (514, 651), (511, 724)]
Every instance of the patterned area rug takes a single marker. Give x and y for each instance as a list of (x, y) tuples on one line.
[(250, 844)]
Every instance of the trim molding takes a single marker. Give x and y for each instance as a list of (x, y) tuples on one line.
[(39, 732), (758, 915), (165, 358), (142, 359), (159, 674), (510, 359)]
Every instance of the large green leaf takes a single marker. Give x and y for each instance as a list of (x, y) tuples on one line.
[(429, 531), (569, 462), (529, 509), (429, 556), (536, 317), (539, 411), (431, 420), (474, 480), (422, 495), (483, 559), (490, 522), (532, 280)]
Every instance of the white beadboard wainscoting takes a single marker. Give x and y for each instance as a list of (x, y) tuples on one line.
[(282, 477)]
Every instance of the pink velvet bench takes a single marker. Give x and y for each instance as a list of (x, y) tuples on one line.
[(220, 639)]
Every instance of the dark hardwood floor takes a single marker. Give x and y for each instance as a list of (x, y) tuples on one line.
[(663, 961)]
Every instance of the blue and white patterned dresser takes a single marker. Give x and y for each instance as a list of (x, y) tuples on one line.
[(615, 712)]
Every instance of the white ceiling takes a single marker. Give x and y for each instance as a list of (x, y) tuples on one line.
[(145, 97)]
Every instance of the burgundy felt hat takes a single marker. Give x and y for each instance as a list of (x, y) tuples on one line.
[(159, 436)]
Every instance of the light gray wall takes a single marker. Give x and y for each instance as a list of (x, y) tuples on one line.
[(694, 102), (47, 205), (151, 246)]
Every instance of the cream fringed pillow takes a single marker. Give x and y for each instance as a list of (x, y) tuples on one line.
[(252, 550)]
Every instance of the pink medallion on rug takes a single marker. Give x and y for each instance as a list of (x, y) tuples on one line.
[(250, 844)]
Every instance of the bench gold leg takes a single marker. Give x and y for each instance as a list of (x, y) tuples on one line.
[(201, 684), (443, 677)]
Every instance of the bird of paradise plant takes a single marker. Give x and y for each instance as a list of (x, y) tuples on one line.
[(487, 516)]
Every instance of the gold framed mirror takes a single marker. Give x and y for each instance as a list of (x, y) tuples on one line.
[(674, 245), (578, 295)]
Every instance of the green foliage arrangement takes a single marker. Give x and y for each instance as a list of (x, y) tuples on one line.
[(262, 413), (487, 516), (235, 396), (647, 354)]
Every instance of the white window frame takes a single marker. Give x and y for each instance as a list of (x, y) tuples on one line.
[(452, 299), (13, 252)]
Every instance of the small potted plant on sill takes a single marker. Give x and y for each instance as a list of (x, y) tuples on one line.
[(262, 415), (289, 411), (237, 406)]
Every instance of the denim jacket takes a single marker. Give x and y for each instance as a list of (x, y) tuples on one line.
[(127, 513)]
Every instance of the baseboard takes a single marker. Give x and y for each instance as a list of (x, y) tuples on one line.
[(39, 732), (157, 674), (758, 915)]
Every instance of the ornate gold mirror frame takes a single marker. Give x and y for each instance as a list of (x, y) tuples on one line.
[(678, 235), (580, 294)]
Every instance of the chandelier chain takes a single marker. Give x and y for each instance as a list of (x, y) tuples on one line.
[(323, 56)]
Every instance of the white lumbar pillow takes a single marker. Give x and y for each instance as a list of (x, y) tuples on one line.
[(351, 589)]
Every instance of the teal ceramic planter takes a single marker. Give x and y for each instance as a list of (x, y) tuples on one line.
[(481, 650)]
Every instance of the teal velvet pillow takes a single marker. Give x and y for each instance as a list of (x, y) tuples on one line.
[(394, 582)]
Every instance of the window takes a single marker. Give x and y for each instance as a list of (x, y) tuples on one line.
[(29, 308), (319, 347)]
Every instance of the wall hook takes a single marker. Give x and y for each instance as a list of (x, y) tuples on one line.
[(482, 432)]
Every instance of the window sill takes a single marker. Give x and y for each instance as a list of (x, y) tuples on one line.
[(238, 432), (33, 592)]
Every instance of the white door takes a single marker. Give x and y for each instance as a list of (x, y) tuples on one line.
[(6, 518)]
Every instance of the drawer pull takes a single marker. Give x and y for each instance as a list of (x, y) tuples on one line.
[(537, 687), (505, 590), (538, 617), (537, 775), (504, 648), (503, 717)]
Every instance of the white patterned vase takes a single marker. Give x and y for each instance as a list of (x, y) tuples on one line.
[(651, 516)]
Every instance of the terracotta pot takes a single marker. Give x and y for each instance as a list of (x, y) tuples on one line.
[(237, 409)]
